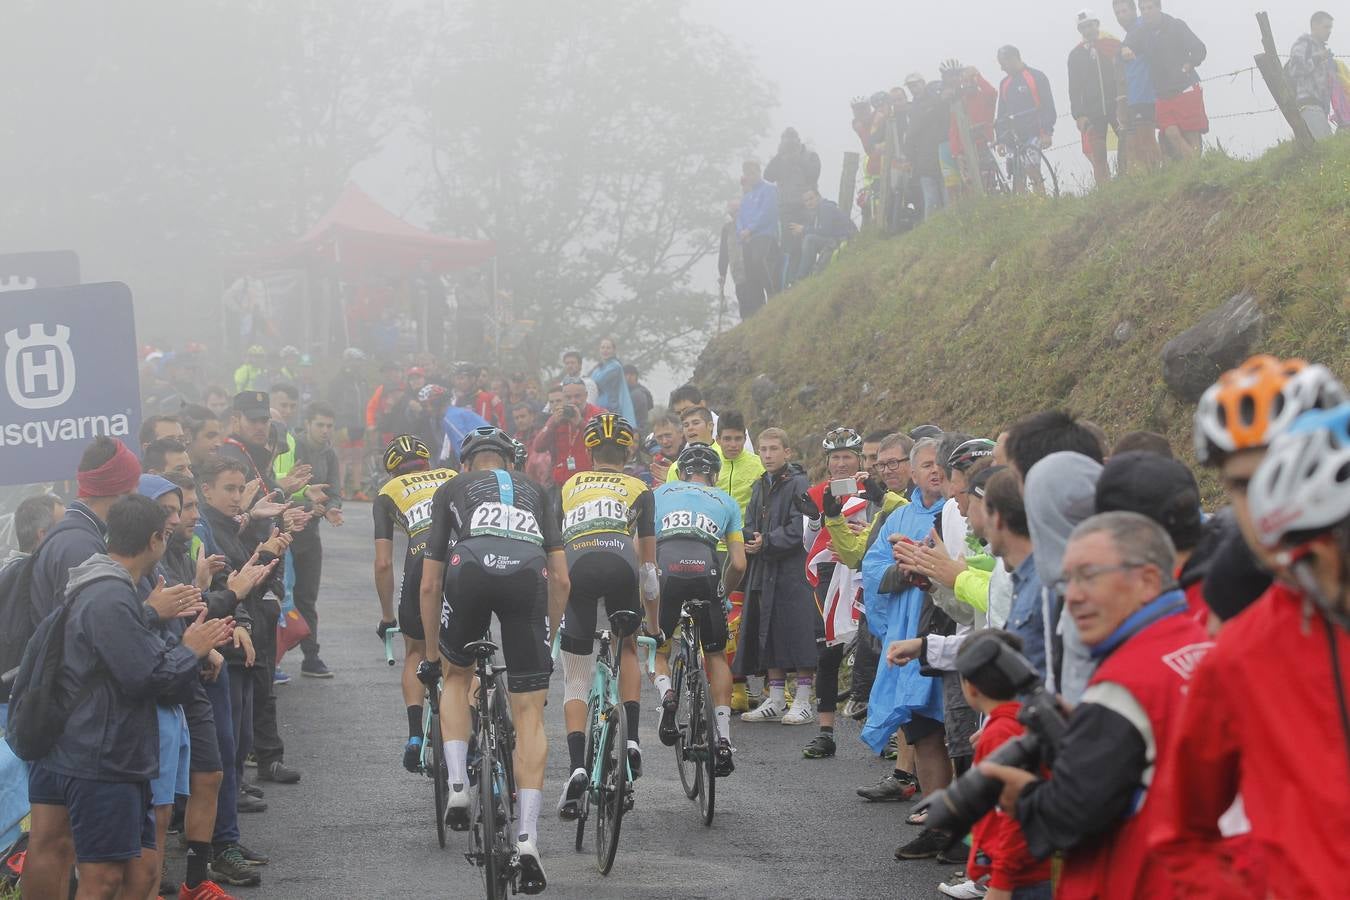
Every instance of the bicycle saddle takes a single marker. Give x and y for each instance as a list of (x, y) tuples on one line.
[(481, 649), (624, 622)]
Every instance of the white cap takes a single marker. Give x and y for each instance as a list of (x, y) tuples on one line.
[(1087, 15)]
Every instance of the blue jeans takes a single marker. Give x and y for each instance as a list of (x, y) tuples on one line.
[(1039, 891), (932, 195), (227, 805)]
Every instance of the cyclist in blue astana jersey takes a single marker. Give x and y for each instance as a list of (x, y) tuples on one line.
[(692, 518)]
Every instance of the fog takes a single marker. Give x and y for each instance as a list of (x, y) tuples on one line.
[(176, 146)]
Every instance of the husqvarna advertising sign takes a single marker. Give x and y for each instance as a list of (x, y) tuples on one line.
[(69, 364)]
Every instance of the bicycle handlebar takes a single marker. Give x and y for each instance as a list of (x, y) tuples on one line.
[(389, 645), (649, 644)]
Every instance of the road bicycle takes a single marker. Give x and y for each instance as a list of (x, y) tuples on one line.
[(696, 746), (1026, 163), (493, 769), (432, 760), (610, 788)]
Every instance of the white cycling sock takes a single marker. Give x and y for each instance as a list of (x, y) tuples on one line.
[(456, 762), (723, 722), (662, 684), (802, 698), (530, 801)]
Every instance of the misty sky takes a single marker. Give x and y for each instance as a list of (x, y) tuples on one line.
[(819, 55)]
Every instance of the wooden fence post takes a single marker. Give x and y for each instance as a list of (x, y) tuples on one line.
[(1273, 72), (848, 182)]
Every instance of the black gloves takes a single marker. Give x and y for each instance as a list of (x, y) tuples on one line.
[(832, 505), (806, 506), (874, 489), (428, 672), (384, 627)]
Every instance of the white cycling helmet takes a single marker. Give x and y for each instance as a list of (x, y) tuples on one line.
[(1303, 484), (353, 354)]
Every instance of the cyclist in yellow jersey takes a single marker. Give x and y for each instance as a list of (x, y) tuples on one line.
[(405, 503), (609, 536)]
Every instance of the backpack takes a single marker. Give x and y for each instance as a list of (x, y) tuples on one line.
[(16, 618), (37, 711)]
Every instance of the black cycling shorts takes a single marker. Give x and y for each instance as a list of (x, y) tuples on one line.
[(410, 599), (611, 574), (690, 571), (510, 578)]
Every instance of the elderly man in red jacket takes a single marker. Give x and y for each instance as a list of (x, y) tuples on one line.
[(562, 434), (1097, 806)]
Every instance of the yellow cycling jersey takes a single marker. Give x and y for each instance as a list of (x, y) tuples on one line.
[(606, 503), (406, 501)]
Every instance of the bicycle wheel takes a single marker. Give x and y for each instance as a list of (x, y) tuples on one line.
[(681, 681), (613, 751), (1048, 174), (491, 840), (592, 732), (439, 776), (506, 745), (707, 763)]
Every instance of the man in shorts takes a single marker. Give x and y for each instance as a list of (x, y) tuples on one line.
[(405, 502), (494, 547), (692, 517), (608, 531)]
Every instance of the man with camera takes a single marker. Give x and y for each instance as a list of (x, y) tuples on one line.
[(1096, 806), (563, 434)]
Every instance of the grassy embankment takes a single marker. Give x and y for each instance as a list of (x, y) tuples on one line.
[(1002, 307)]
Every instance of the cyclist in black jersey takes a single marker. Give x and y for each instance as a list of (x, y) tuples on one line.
[(404, 503), (494, 547), (609, 534)]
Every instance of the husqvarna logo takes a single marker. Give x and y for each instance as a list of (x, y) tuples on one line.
[(39, 368)]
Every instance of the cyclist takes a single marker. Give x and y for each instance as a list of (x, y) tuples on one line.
[(405, 503), (494, 547), (1026, 116), (692, 517), (602, 511)]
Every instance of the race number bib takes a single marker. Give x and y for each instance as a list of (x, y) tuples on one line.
[(600, 514), (500, 520), (683, 521), (419, 516)]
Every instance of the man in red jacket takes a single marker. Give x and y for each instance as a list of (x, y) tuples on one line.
[(564, 432), (1267, 710), (1097, 806)]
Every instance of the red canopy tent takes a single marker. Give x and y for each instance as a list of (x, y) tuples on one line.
[(361, 244)]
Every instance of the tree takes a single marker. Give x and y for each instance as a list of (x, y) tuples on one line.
[(593, 142), (159, 140)]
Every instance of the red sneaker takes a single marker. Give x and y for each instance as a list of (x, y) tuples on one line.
[(207, 890)]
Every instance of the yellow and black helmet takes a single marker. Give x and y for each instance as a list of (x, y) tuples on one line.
[(609, 428), (405, 449)]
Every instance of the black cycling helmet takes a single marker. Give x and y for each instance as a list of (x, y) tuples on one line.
[(699, 458), (487, 437), (405, 449), (966, 455), (522, 454), (925, 431), (608, 428), (842, 439)]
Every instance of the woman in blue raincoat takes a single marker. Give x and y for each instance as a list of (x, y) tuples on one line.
[(610, 386), (900, 692)]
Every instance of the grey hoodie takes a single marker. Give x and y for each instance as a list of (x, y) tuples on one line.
[(1060, 492), (117, 665)]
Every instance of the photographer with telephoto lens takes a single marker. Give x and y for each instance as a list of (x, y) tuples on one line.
[(1096, 806)]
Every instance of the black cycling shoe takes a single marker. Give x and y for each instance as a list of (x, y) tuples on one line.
[(569, 805), (635, 762), (412, 755), (667, 731), (725, 766)]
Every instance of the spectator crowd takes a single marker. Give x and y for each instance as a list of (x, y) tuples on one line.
[(931, 142)]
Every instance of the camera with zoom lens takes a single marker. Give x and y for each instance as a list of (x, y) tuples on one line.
[(970, 798)]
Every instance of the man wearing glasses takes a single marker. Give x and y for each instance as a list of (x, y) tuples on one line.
[(1096, 806)]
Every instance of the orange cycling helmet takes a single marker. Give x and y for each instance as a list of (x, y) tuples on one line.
[(608, 428), (1248, 406)]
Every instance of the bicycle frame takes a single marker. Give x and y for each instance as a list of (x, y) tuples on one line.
[(604, 696)]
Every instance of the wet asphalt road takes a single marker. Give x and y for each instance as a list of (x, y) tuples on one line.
[(358, 825)]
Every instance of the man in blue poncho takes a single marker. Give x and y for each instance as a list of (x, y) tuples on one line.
[(901, 697)]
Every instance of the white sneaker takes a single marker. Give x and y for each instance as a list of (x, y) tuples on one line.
[(569, 804), (531, 879), (799, 715), (767, 711), (962, 890), (457, 809)]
